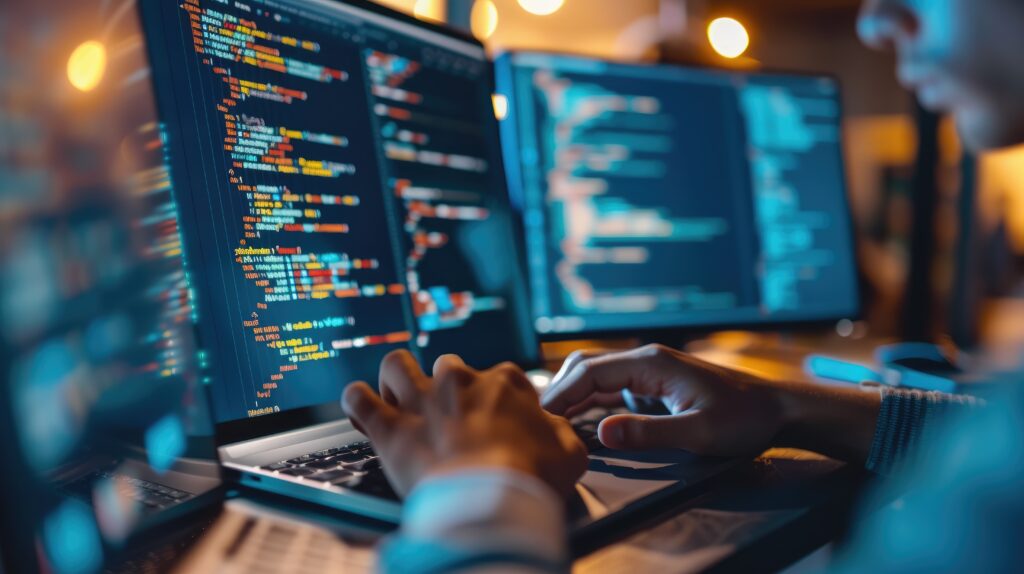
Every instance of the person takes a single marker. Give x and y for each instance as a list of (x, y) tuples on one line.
[(486, 469)]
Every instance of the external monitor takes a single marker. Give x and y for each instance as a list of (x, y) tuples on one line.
[(658, 197), (340, 175)]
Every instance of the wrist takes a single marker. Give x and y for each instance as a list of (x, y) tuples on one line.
[(498, 459), (835, 421), (792, 406)]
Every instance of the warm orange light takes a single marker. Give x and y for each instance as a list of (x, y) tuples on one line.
[(483, 20), (541, 7), (728, 37), (431, 10), (86, 65), (500, 106)]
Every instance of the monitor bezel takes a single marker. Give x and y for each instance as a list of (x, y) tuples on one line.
[(673, 333), (238, 430)]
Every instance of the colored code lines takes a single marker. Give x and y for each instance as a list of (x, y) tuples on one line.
[(295, 350), (287, 274), (239, 40), (275, 208), (438, 307), (599, 146), (412, 130), (299, 255), (785, 125), (399, 107), (255, 146), (167, 287)]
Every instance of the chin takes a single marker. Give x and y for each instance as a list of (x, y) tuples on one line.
[(980, 131)]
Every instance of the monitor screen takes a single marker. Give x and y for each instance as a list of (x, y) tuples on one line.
[(339, 170), (659, 197), (105, 430)]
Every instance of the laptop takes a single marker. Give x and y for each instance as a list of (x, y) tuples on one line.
[(341, 195)]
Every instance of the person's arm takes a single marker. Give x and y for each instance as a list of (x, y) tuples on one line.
[(905, 418), (718, 411)]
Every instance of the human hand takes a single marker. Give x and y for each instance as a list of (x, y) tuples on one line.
[(461, 419), (714, 410)]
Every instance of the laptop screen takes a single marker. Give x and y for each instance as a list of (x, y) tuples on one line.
[(661, 197), (339, 171)]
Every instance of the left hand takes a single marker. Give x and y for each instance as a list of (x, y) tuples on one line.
[(462, 419)]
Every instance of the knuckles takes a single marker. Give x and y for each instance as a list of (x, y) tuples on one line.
[(656, 351), (577, 356)]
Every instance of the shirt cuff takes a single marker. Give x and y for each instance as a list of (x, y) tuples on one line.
[(488, 508), (905, 419)]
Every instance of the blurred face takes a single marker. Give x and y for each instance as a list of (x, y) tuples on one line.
[(958, 56)]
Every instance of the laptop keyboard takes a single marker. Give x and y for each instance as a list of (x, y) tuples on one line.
[(150, 495), (587, 431), (355, 466)]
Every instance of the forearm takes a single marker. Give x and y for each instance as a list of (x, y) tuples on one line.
[(839, 422), (881, 428)]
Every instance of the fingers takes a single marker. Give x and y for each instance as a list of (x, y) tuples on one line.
[(689, 431), (402, 382), (451, 376), (511, 373), (572, 444), (452, 367), (575, 358), (639, 370), (371, 415)]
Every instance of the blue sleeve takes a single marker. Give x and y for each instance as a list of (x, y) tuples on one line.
[(905, 417), (482, 522)]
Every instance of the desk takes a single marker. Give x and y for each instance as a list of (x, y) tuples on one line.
[(764, 515)]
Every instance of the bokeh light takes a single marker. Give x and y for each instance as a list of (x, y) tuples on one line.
[(500, 106), (429, 10), (728, 37), (72, 540), (541, 7), (483, 20), (86, 65)]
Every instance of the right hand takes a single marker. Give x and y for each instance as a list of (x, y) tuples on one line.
[(462, 420), (714, 410)]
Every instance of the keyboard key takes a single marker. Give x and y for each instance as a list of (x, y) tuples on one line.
[(329, 463), (299, 471), (365, 465), (333, 476), (589, 438), (327, 452), (350, 457), (276, 466), (301, 459)]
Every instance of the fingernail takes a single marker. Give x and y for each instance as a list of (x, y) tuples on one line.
[(349, 399), (613, 435)]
